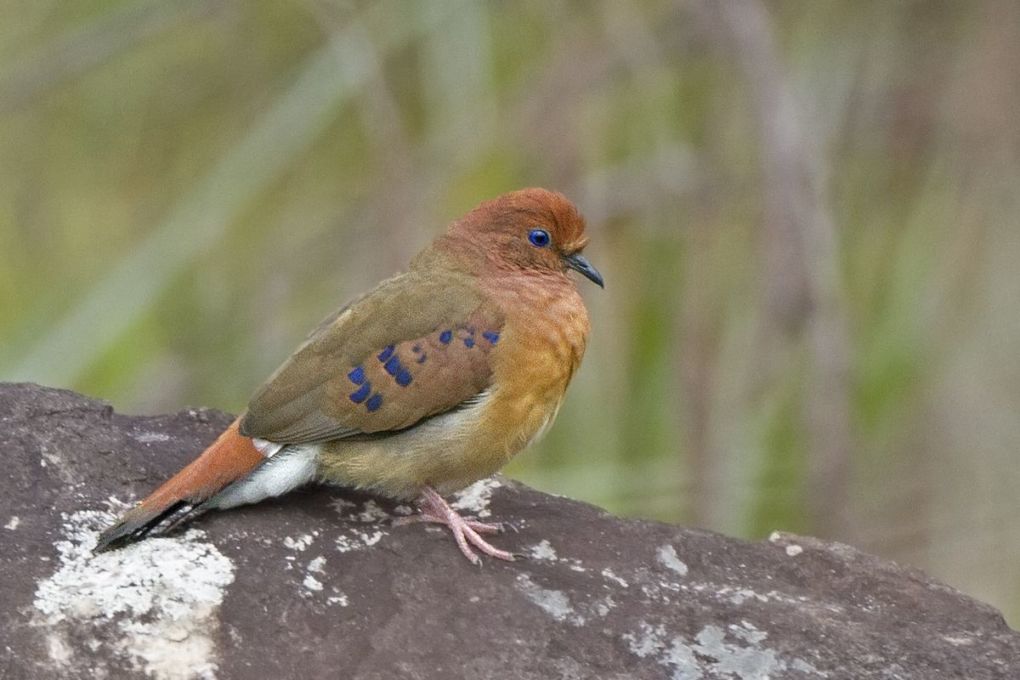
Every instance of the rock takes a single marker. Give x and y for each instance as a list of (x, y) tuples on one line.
[(318, 584)]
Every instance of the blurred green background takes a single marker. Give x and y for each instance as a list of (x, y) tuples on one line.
[(805, 212)]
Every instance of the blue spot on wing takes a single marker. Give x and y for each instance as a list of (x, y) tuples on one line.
[(386, 353), (392, 366), (469, 342), (403, 377), (491, 336), (361, 393), (357, 375), (445, 337), (374, 403)]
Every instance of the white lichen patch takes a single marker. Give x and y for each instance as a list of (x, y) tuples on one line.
[(958, 640), (342, 506), (475, 499), (791, 549), (666, 554), (553, 602), (572, 563), (358, 540), (542, 551), (609, 575), (312, 587), (338, 599), (370, 539), (12, 523), (347, 544), (737, 596), (162, 595), (150, 437), (369, 513), (604, 606), (712, 653), (300, 543), (674, 655)]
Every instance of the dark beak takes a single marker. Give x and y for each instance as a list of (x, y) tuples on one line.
[(579, 263)]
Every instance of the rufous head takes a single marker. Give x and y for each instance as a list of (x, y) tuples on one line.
[(531, 230)]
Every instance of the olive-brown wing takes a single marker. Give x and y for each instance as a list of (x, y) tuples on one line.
[(414, 347)]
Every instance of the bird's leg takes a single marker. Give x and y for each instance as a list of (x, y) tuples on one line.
[(432, 508)]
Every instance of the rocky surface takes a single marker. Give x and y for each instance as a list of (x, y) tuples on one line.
[(318, 584)]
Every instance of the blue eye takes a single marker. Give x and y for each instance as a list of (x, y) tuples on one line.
[(539, 238)]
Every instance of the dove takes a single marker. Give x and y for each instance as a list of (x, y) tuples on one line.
[(418, 388)]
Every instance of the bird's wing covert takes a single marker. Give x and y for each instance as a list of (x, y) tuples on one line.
[(412, 348)]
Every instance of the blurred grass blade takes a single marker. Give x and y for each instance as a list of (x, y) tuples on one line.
[(81, 49), (329, 80)]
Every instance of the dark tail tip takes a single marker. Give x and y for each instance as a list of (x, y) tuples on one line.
[(135, 525), (120, 534)]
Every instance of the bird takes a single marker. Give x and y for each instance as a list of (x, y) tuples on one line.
[(426, 384)]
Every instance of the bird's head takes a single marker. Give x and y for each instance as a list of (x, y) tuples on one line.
[(531, 230)]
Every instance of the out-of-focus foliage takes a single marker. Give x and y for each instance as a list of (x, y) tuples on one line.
[(805, 212)]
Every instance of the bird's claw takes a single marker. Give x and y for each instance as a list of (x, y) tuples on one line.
[(466, 531)]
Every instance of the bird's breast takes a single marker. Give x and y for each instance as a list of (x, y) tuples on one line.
[(545, 334)]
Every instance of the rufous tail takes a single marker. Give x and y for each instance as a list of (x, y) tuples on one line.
[(228, 459)]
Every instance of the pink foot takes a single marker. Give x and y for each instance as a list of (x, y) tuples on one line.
[(466, 531)]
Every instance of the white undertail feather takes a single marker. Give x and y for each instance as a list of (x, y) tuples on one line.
[(266, 448), (286, 468)]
